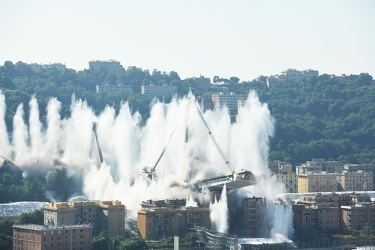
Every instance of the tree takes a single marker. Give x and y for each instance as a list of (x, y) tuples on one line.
[(100, 242), (6, 242), (234, 79), (6, 82), (36, 217), (133, 244)]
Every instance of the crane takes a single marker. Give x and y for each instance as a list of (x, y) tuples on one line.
[(97, 141), (232, 180), (151, 172), (213, 139)]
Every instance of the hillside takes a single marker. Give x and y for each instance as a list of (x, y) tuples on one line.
[(327, 116)]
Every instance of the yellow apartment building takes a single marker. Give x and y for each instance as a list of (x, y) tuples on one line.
[(317, 182), (107, 216), (163, 222)]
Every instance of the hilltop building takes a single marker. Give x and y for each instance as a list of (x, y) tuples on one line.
[(38, 67), (39, 237), (164, 91), (109, 66), (114, 88), (106, 216), (231, 100), (201, 80), (293, 75), (162, 219)]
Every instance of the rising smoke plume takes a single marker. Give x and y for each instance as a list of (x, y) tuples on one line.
[(65, 146)]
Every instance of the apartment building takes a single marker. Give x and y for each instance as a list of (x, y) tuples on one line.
[(355, 181), (317, 182), (253, 209), (365, 167), (201, 80), (293, 74), (106, 216), (290, 181), (39, 237), (114, 88), (334, 199), (308, 73), (318, 165), (108, 65), (158, 223), (334, 211), (279, 167), (321, 216), (164, 91), (231, 100), (358, 215)]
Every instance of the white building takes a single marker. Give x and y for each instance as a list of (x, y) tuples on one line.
[(109, 66), (231, 100), (158, 91), (291, 75), (113, 88)]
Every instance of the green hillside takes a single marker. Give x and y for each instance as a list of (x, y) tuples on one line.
[(327, 116)]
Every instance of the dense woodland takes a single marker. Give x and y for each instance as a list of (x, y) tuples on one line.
[(327, 116)]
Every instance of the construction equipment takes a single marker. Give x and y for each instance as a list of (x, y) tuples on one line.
[(97, 141), (232, 180), (151, 172), (213, 139)]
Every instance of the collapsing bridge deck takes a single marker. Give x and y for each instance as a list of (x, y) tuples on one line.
[(234, 180)]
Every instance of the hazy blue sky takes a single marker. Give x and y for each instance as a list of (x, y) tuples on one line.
[(241, 38)]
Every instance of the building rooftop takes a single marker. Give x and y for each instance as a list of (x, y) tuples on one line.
[(73, 204), (49, 227)]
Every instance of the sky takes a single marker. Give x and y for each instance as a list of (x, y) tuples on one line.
[(242, 38)]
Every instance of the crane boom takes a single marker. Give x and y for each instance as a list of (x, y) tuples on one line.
[(213, 139), (150, 173)]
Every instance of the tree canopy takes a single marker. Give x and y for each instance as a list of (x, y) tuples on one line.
[(326, 116)]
